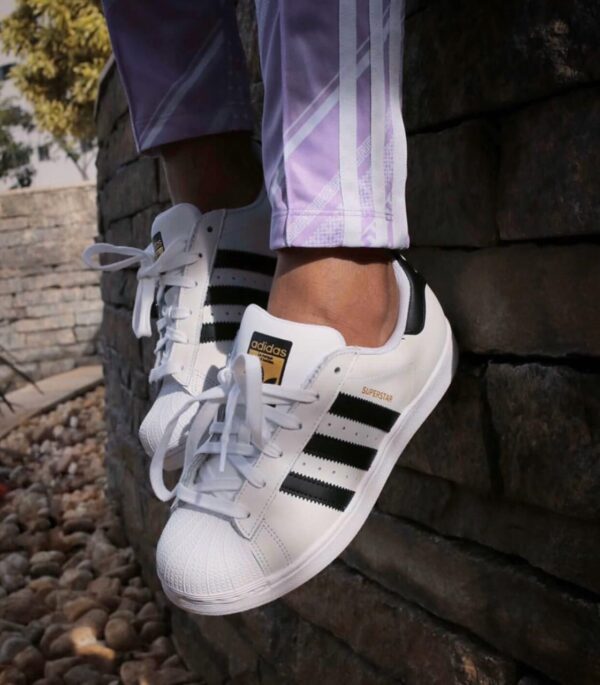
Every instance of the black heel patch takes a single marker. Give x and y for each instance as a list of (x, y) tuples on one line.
[(415, 320)]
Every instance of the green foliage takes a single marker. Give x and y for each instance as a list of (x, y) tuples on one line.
[(63, 46), (14, 155)]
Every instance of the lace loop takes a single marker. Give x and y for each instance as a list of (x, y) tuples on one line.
[(154, 276)]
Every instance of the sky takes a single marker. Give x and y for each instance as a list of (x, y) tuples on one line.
[(5, 7)]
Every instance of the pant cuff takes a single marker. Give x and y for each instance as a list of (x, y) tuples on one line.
[(186, 125), (339, 229)]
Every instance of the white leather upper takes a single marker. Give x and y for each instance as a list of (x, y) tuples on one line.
[(245, 230), (399, 371), (282, 522)]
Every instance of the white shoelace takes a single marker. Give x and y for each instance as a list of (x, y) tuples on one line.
[(250, 418), (154, 276)]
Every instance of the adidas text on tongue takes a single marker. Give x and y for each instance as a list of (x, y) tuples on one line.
[(279, 478), (273, 354)]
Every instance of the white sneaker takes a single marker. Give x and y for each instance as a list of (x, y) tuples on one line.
[(290, 469), (202, 270)]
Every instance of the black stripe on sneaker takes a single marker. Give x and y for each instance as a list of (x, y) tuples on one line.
[(363, 411), (233, 295), (219, 331), (247, 261), (317, 491), (340, 451)]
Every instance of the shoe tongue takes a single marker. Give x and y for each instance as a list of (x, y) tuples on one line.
[(288, 351), (177, 222)]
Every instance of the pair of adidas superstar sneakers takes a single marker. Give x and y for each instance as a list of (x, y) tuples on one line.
[(284, 435)]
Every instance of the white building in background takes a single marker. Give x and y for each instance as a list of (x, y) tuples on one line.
[(52, 166)]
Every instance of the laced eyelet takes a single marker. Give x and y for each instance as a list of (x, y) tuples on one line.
[(200, 255), (195, 284), (300, 427), (248, 515), (264, 484)]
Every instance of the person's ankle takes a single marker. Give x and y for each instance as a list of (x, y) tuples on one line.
[(213, 172), (352, 290)]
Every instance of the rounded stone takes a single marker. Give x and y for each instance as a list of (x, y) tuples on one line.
[(82, 673), (79, 606), (95, 619), (12, 581), (48, 568), (152, 629), (8, 535), (15, 563), (141, 595), (21, 607), (50, 634), (123, 572), (107, 590), (128, 605), (11, 646), (162, 646), (134, 672), (12, 676), (30, 662), (58, 667), (79, 525), (52, 555), (76, 579), (62, 646), (120, 635), (148, 612)]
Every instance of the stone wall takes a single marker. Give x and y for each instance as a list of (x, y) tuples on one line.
[(480, 565), (50, 306)]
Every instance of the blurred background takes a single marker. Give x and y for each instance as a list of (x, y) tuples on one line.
[(480, 564), (51, 57), (50, 61)]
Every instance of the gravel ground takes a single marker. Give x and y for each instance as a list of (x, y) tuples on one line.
[(73, 607)]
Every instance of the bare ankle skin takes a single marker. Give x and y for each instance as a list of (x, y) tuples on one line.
[(353, 290), (213, 172)]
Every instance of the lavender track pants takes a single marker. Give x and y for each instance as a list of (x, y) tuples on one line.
[(334, 146)]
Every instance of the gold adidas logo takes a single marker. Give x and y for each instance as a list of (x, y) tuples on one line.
[(268, 348), (273, 354)]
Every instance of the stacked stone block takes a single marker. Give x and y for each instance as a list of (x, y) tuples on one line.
[(50, 305), (480, 565)]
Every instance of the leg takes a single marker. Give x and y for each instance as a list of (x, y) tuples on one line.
[(186, 83), (334, 153), (351, 289), (258, 510), (213, 171)]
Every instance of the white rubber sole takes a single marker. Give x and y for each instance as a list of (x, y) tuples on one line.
[(335, 541)]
